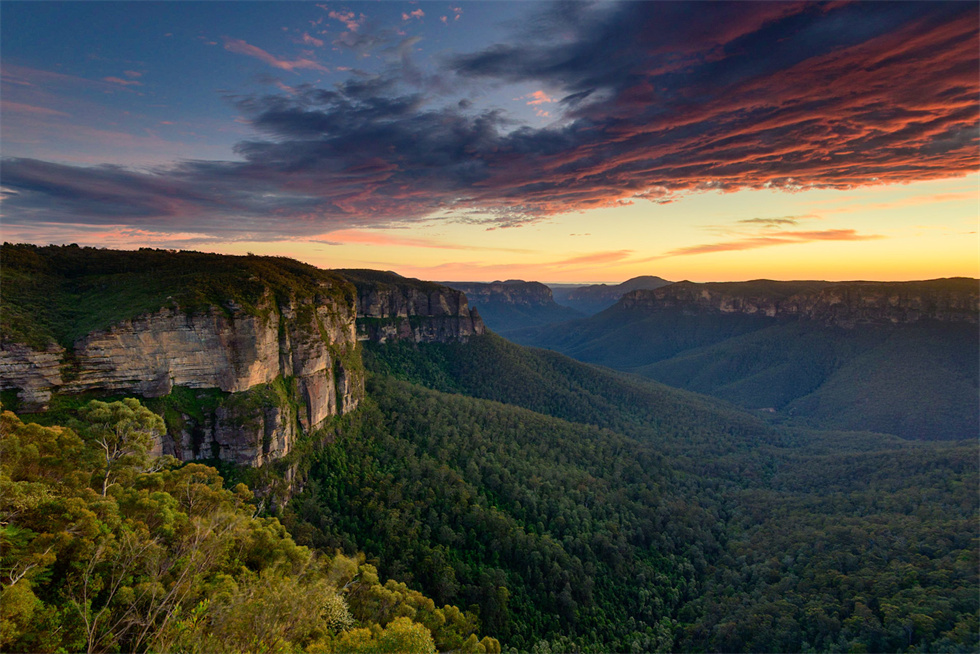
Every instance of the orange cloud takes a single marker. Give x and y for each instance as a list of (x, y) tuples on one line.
[(343, 236), (908, 202), (594, 258), (769, 240)]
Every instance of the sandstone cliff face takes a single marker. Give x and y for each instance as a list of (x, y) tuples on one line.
[(309, 341), (844, 304), (256, 379), (241, 355), (517, 293), (391, 307), (32, 372)]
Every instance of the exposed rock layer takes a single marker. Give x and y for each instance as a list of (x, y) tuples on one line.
[(842, 304), (311, 342), (251, 380), (514, 292), (391, 307)]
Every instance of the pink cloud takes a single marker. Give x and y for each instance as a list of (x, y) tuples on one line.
[(123, 82), (538, 97), (17, 107), (907, 202), (311, 40), (132, 73), (239, 46), (472, 270), (348, 18), (594, 258), (418, 13)]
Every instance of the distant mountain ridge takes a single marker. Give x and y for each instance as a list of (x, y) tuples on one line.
[(594, 298), (894, 357), (842, 303), (514, 304)]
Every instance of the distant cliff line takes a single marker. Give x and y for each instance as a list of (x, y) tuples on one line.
[(845, 304)]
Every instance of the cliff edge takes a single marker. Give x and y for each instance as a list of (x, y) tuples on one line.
[(844, 304), (391, 307), (240, 354)]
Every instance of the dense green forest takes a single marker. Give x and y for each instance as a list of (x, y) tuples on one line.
[(587, 525), (106, 549), (501, 317), (607, 514), (917, 380), (513, 498), (58, 294)]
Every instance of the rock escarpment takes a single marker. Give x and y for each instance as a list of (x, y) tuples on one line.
[(240, 354), (395, 308), (514, 292), (514, 304), (842, 304), (310, 342)]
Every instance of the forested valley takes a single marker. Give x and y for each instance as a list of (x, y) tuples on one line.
[(582, 510), (516, 500)]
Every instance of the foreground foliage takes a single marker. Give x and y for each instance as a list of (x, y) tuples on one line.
[(105, 549)]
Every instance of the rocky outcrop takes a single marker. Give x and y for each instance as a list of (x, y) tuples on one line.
[(242, 355), (310, 341), (843, 304), (513, 292), (395, 308), (514, 304), (249, 428), (33, 373)]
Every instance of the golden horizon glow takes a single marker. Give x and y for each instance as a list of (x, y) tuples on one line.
[(924, 230)]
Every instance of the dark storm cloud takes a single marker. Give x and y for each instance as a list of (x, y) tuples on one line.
[(659, 98)]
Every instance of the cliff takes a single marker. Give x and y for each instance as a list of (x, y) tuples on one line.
[(515, 304), (240, 354), (514, 292), (845, 304), (391, 307), (594, 298), (233, 327)]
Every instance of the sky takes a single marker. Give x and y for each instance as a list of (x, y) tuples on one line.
[(474, 141)]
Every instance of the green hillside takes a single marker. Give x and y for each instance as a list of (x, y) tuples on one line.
[(492, 368), (918, 381), (621, 515), (59, 294), (545, 504), (502, 317), (628, 339)]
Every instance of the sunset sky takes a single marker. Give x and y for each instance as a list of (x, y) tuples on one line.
[(473, 141)]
